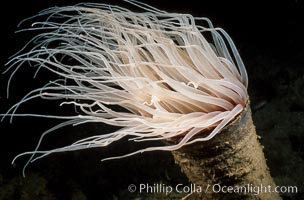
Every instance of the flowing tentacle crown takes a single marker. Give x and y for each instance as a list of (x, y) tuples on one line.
[(175, 75)]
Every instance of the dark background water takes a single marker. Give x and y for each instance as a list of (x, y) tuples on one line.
[(270, 40)]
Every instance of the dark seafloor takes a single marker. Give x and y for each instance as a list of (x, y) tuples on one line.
[(270, 40)]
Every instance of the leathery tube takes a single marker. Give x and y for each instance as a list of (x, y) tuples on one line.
[(232, 165)]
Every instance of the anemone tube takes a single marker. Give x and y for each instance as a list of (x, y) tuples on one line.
[(177, 77)]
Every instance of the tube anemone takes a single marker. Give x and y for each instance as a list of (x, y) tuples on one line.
[(158, 66), (176, 76)]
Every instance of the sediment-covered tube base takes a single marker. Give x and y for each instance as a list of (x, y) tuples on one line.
[(231, 165)]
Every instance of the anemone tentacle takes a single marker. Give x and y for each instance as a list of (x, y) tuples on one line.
[(159, 66)]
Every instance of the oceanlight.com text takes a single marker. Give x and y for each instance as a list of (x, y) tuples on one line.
[(251, 189)]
